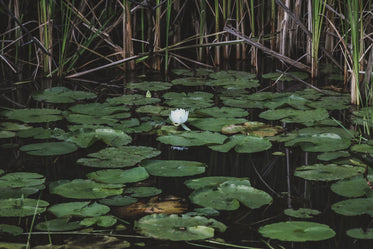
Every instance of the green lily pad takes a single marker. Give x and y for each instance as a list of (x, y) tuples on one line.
[(178, 228), (7, 134), (276, 75), (101, 221), (98, 109), (12, 126), (172, 168), (354, 187), (208, 212), (150, 85), (332, 102), (352, 207), (154, 110), (215, 124), (243, 144), (62, 95), (21, 207), (91, 119), (321, 139), (118, 201), (119, 157), (11, 229), (212, 181), (79, 209), (359, 233), (49, 149), (193, 138), (113, 137), (227, 112), (362, 148), (329, 156), (142, 191), (293, 101), (118, 176), (228, 195), (252, 128), (301, 212), (36, 133), (84, 189), (21, 179), (133, 99), (290, 115), (8, 192), (190, 101), (327, 172), (231, 74), (34, 115), (58, 225), (189, 81), (297, 231)]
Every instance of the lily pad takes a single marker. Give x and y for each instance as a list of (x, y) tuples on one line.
[(297, 231), (228, 195), (118, 201), (21, 207), (290, 115), (79, 209), (243, 144), (91, 119), (293, 101), (119, 157), (189, 81), (301, 212), (150, 85), (142, 191), (172, 168), (8, 192), (34, 115), (332, 102), (226, 112), (321, 139), (178, 228), (193, 138), (98, 109), (215, 124), (11, 229), (101, 221), (154, 110), (362, 148), (190, 101), (21, 179), (133, 99), (352, 207), (359, 233), (36, 133), (118, 176), (354, 187), (84, 189), (329, 156), (276, 75), (7, 134), (49, 149), (212, 181), (252, 128), (62, 95), (327, 172), (58, 225)]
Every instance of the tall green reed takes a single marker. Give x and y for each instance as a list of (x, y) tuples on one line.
[(318, 10)]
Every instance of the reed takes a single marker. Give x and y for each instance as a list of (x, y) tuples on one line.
[(318, 10), (45, 8)]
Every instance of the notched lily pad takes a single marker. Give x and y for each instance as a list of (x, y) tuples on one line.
[(58, 225), (21, 207), (354, 187), (297, 231), (150, 85), (253, 128), (178, 228), (21, 179), (10, 229), (301, 212), (62, 95), (49, 149), (192, 100), (193, 138), (243, 144), (174, 168), (359, 233), (34, 115), (133, 99), (215, 124), (227, 112), (142, 191), (78, 209), (352, 207), (84, 189), (327, 172), (118, 176)]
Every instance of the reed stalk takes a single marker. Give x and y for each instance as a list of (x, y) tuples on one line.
[(168, 17), (202, 26), (45, 30), (156, 63), (318, 10), (217, 29), (127, 48)]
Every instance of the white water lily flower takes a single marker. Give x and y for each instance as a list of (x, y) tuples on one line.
[(179, 116)]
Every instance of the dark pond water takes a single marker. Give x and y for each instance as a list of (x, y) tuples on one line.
[(270, 170)]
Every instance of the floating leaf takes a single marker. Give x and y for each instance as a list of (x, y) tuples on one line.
[(84, 189), (21, 179), (192, 100), (193, 138), (215, 124), (354, 187), (118, 176), (79, 209), (189, 81), (133, 99), (327, 172), (119, 157), (21, 207), (118, 200), (101, 221), (7, 134), (297, 231), (301, 212), (172, 168), (142, 191), (362, 148), (8, 192), (212, 181), (252, 128), (98, 109), (34, 115), (243, 144), (36, 133), (49, 149), (282, 77), (352, 207), (10, 229), (290, 115), (154, 110), (228, 195), (150, 85), (91, 119), (226, 112), (359, 233), (293, 101), (329, 156), (331, 102), (62, 95), (58, 225), (178, 228)]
